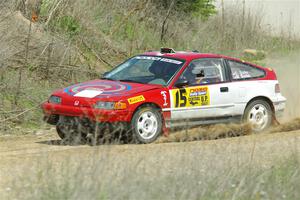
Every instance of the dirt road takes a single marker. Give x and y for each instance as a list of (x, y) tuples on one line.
[(18, 148)]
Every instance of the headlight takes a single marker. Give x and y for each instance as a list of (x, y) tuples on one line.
[(110, 105), (55, 99)]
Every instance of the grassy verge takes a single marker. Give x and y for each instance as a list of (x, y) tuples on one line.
[(130, 179)]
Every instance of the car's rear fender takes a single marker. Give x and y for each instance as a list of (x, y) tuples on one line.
[(264, 98)]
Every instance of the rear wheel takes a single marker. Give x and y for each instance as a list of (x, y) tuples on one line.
[(259, 114), (146, 125)]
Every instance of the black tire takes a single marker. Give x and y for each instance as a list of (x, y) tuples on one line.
[(258, 113), (146, 125), (70, 136)]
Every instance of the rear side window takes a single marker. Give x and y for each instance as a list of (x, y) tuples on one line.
[(241, 71)]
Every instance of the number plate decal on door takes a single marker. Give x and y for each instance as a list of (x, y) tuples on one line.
[(190, 97)]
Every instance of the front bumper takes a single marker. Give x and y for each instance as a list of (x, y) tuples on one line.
[(86, 112)]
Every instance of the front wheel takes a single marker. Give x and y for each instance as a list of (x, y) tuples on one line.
[(70, 130), (146, 125), (259, 114)]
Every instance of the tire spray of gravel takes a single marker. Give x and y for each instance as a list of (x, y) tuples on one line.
[(207, 133)]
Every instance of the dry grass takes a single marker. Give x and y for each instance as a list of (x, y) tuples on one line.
[(259, 167)]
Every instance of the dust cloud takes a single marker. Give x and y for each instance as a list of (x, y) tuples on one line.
[(287, 68)]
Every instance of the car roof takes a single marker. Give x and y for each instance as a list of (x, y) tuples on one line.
[(188, 56)]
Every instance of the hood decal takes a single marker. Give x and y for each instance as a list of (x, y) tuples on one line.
[(103, 87), (90, 93)]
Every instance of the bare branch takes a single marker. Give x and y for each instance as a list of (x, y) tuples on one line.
[(18, 115), (163, 28), (95, 54)]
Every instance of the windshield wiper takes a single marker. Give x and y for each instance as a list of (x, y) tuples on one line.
[(129, 80)]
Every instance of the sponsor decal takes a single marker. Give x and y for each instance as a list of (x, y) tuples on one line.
[(190, 97), (164, 94), (198, 91), (136, 99), (177, 62)]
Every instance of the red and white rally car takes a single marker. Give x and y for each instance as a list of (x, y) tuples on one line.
[(155, 91)]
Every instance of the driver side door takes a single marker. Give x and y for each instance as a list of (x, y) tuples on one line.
[(207, 95)]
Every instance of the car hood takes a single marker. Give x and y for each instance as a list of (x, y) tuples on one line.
[(98, 89)]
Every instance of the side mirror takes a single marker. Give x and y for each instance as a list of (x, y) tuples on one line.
[(104, 74), (181, 83)]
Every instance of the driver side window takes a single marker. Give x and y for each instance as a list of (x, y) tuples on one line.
[(204, 71)]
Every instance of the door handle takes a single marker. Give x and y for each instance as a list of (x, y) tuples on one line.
[(224, 89)]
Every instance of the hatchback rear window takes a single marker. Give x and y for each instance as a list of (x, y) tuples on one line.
[(241, 71)]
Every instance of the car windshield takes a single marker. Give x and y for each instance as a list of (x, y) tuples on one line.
[(146, 69)]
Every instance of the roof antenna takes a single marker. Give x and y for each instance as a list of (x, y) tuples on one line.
[(196, 51)]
